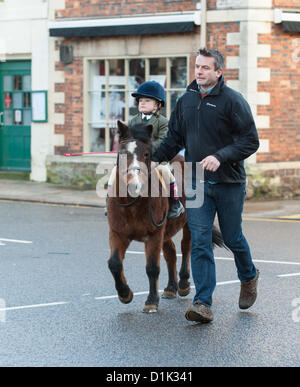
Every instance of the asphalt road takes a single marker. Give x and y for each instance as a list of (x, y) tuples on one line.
[(58, 305)]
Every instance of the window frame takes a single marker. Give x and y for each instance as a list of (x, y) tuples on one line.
[(87, 90)]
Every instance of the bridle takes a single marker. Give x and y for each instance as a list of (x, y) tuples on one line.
[(129, 169), (133, 168)]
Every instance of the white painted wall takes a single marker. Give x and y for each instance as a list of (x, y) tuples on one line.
[(24, 35)]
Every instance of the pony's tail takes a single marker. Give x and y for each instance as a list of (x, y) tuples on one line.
[(217, 239)]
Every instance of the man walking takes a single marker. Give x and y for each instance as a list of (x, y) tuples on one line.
[(215, 126)]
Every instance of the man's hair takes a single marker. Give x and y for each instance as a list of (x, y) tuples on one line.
[(219, 59)]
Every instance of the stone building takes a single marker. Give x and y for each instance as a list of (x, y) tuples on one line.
[(89, 56)]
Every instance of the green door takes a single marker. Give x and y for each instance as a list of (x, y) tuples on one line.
[(15, 115)]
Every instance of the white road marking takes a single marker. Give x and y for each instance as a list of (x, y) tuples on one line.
[(161, 291), (228, 282), (13, 241), (263, 261), (107, 297), (278, 262), (33, 306), (144, 292), (288, 275), (231, 259), (116, 296)]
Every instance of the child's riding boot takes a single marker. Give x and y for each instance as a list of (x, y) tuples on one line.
[(176, 208)]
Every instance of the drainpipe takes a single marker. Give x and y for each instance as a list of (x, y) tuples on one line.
[(203, 23)]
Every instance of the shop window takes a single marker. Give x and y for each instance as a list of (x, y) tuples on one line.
[(111, 82), (17, 99)]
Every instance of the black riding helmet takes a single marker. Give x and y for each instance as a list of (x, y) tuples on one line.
[(151, 89)]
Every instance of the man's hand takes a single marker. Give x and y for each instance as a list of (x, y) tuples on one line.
[(210, 163)]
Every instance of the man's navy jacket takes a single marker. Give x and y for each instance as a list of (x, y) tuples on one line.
[(220, 124)]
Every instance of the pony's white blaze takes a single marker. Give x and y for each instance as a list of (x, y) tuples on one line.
[(134, 171), (135, 162), (131, 147)]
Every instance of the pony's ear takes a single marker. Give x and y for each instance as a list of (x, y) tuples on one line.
[(122, 130), (149, 128)]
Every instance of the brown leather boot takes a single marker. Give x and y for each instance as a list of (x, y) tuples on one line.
[(200, 313), (248, 292)]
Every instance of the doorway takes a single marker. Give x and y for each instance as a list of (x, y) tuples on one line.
[(15, 115)]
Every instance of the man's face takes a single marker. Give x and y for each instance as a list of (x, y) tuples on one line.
[(205, 73)]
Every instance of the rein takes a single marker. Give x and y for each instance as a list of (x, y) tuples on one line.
[(126, 204), (151, 215)]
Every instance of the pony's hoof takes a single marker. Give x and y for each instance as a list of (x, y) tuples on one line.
[(169, 294), (128, 299), (150, 309), (184, 292)]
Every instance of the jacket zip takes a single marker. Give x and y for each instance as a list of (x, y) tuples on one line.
[(198, 108), (200, 104)]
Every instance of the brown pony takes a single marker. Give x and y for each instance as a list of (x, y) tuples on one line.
[(139, 216)]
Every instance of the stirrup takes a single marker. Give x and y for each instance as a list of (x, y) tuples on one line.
[(176, 209)]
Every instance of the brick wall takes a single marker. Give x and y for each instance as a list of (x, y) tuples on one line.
[(284, 89), (217, 40), (286, 4), (107, 8), (72, 108)]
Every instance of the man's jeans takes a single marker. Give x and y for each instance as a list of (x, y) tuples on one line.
[(227, 200)]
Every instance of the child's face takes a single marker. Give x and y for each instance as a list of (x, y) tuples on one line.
[(147, 105)]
